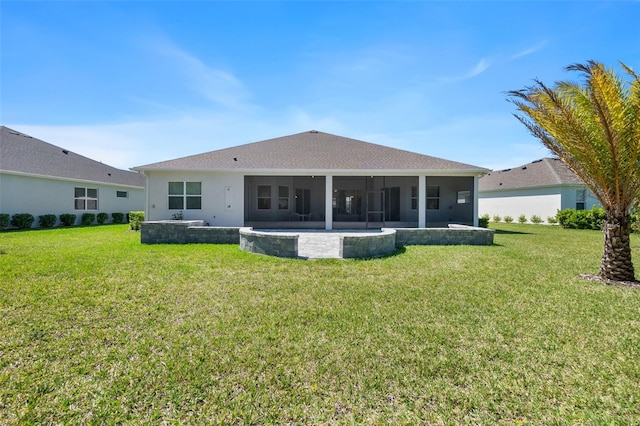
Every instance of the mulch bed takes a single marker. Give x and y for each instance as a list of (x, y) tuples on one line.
[(630, 284)]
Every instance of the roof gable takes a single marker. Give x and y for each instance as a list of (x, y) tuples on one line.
[(311, 150), (20, 153), (544, 172)]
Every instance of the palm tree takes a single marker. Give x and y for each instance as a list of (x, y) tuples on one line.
[(595, 130)]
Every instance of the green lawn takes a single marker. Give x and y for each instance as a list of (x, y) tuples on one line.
[(97, 328)]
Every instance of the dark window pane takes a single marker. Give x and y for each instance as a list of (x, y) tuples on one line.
[(433, 204), (433, 191), (414, 204), (122, 194), (92, 204), (283, 203), (175, 203), (194, 188), (92, 193), (283, 191), (176, 188), (264, 203), (80, 192), (194, 203), (264, 191), (79, 204)]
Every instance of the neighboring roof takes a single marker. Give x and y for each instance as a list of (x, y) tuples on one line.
[(23, 154), (544, 172), (311, 150)]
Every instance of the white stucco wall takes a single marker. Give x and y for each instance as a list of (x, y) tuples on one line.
[(544, 202), (40, 196), (222, 197)]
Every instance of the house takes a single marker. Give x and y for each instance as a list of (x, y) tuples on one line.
[(313, 180), (39, 178), (540, 188)]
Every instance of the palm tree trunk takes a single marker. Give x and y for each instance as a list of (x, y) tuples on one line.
[(616, 260)]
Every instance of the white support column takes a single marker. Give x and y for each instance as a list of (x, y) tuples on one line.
[(328, 203), (475, 200), (422, 201)]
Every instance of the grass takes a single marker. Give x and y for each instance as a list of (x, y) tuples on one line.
[(97, 328)]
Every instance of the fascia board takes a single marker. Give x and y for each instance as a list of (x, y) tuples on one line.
[(65, 179), (323, 172)]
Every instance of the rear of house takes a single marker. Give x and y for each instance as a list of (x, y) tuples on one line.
[(313, 180)]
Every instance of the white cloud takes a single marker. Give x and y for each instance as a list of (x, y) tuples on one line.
[(478, 69), (529, 50), (215, 84)]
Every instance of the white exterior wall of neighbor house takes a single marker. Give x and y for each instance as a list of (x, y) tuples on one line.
[(544, 202), (40, 195), (222, 197)]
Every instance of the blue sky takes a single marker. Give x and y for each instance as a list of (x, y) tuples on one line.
[(131, 83)]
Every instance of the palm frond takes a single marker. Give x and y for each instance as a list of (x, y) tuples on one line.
[(593, 127)]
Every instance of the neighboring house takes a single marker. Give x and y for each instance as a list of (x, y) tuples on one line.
[(39, 178), (313, 180), (540, 188)]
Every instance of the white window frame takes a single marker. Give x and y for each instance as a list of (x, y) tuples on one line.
[(185, 194), (85, 198)]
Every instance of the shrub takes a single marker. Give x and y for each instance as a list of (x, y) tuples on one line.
[(496, 218), (47, 220), (67, 219), (522, 219), (508, 219), (102, 218), (87, 219), (552, 220), (483, 222), (4, 221), (536, 219), (582, 219), (135, 219), (22, 220), (118, 217)]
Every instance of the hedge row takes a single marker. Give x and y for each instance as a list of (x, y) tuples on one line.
[(521, 219), (573, 219), (25, 220)]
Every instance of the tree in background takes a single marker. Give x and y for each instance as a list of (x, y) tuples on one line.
[(594, 128)]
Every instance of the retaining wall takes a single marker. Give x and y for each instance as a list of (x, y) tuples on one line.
[(360, 246), (186, 232), (453, 235), (280, 244)]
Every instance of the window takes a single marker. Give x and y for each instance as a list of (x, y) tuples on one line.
[(580, 198), (283, 198), (348, 204), (414, 198), (86, 199), (264, 197), (185, 195), (464, 197), (433, 197), (122, 194)]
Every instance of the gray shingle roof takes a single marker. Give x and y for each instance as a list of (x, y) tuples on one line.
[(544, 172), (311, 150), (20, 153)]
